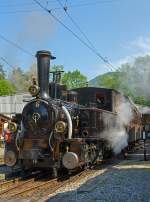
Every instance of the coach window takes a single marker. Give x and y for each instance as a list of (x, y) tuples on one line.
[(100, 99)]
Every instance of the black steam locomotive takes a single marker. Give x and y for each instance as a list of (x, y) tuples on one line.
[(62, 128)]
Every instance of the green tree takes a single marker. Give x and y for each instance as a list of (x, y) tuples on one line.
[(139, 100), (74, 79), (6, 88), (110, 80), (57, 68)]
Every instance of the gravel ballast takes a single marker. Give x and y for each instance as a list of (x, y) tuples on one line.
[(128, 181)]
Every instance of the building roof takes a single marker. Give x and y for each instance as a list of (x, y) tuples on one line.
[(13, 104)]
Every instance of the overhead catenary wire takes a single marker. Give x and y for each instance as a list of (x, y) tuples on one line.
[(4, 60), (66, 2), (21, 3), (19, 11), (15, 45), (90, 3), (74, 34), (65, 8), (8, 64), (83, 33), (82, 3)]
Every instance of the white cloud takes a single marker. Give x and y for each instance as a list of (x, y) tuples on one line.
[(129, 59), (138, 47), (141, 43)]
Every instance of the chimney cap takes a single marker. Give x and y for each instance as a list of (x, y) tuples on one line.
[(45, 53)]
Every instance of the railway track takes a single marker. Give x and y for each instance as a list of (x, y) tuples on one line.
[(11, 186), (1, 160), (37, 187), (33, 188), (6, 184)]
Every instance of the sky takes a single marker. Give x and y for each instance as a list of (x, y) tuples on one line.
[(119, 29)]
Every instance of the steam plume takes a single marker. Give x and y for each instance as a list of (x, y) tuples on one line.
[(38, 27), (116, 134)]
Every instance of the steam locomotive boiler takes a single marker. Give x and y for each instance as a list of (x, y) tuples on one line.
[(61, 128)]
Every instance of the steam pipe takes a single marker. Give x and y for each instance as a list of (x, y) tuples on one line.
[(69, 121), (43, 69), (50, 140)]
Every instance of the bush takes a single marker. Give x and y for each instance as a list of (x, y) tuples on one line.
[(6, 88)]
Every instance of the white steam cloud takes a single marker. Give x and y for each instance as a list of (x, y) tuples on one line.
[(35, 33), (144, 110), (37, 27), (116, 134)]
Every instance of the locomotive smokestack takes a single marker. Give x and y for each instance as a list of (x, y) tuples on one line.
[(43, 67)]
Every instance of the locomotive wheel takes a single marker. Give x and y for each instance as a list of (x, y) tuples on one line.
[(107, 153), (63, 172), (94, 154)]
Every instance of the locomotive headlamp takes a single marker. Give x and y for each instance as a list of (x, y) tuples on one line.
[(60, 127), (34, 90), (10, 158), (12, 126)]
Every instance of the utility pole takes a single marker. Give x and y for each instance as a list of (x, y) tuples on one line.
[(144, 140)]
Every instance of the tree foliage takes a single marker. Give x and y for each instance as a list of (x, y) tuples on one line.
[(57, 68), (74, 79), (110, 80), (22, 79), (6, 88)]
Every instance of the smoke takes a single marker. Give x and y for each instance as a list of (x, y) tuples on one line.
[(117, 139), (125, 114), (144, 110), (35, 32), (116, 133), (37, 28), (32, 71), (32, 34)]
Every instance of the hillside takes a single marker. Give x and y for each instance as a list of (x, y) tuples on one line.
[(133, 79), (96, 81)]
